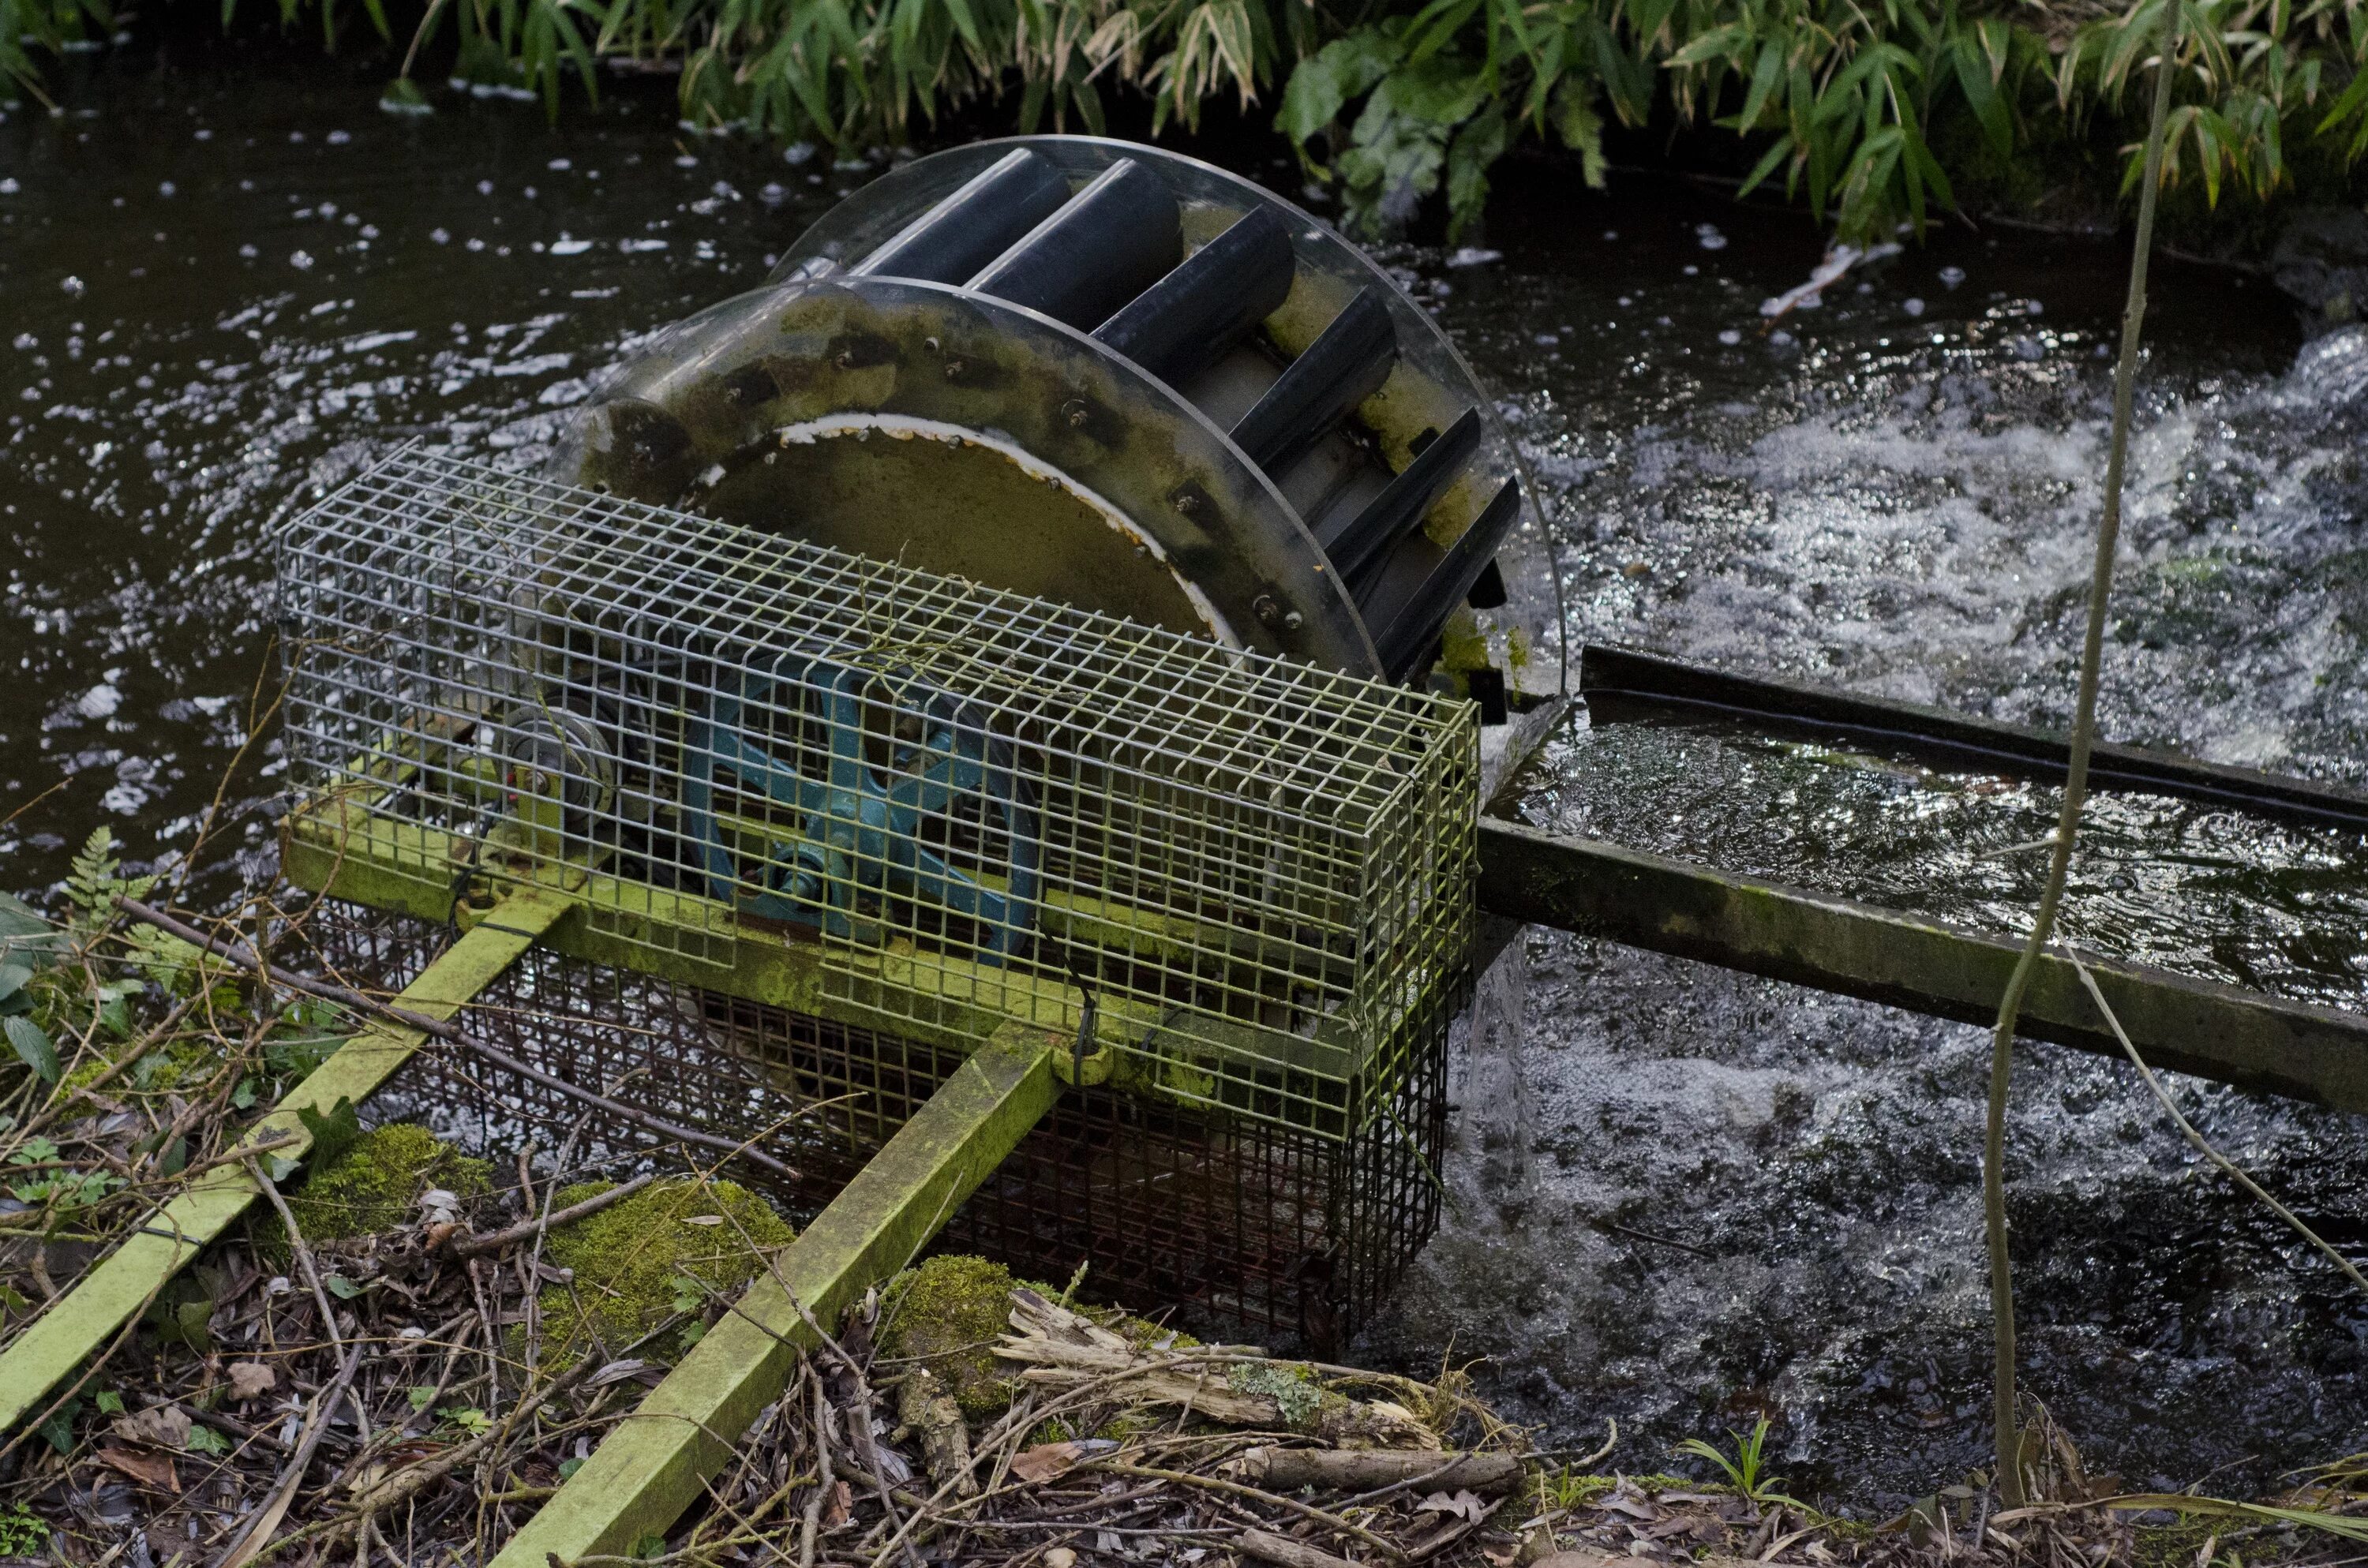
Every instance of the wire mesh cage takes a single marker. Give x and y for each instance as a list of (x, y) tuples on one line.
[(1228, 1222), (866, 811)]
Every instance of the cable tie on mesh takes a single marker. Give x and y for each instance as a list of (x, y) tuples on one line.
[(1083, 1045)]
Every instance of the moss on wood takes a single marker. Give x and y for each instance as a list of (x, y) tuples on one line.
[(674, 1246), (372, 1186), (947, 1314)]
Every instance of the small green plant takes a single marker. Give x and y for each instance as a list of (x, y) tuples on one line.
[(26, 1038), (1564, 1487), (58, 1431), (1744, 1471), (21, 1533), (468, 1419)]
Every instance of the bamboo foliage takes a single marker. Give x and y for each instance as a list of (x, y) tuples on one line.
[(1869, 110)]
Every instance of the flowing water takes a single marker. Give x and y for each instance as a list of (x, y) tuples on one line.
[(231, 281)]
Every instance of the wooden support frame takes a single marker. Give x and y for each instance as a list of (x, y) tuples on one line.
[(1652, 902), (78, 1324), (651, 1467)]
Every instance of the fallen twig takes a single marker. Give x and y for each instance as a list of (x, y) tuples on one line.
[(494, 1241), (329, 990), (1331, 1521)]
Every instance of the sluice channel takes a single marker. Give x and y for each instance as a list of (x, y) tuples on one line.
[(1027, 669)]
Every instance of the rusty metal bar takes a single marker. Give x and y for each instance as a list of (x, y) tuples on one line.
[(1668, 906)]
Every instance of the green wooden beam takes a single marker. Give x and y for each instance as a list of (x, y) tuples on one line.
[(1669, 906), (653, 1464), (80, 1321), (938, 998)]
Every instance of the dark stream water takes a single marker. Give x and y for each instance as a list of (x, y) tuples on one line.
[(231, 281)]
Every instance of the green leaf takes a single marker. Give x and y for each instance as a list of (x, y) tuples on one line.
[(340, 1287), (58, 1430), (1766, 165), (332, 1135), (567, 1468), (279, 1168), (184, 1322), (647, 1547), (1581, 129), (110, 1402), (206, 1440), (1480, 143), (1764, 78), (469, 1418), (1435, 27), (1322, 84), (1981, 93), (12, 980), (1444, 91), (31, 1043)]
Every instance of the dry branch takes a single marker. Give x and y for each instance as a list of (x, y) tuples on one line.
[(1360, 1470)]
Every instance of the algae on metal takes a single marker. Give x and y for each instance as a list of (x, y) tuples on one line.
[(674, 1242)]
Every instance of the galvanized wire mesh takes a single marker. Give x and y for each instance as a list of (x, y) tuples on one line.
[(1234, 1223), (929, 806)]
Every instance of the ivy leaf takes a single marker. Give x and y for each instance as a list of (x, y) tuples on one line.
[(567, 1468), (31, 1043), (423, 1395), (110, 1402), (58, 1429), (1444, 90), (206, 1440), (341, 1288), (332, 1135)]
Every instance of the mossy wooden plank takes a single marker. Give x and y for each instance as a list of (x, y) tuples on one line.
[(651, 1467), (80, 1321), (938, 999), (1649, 900)]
